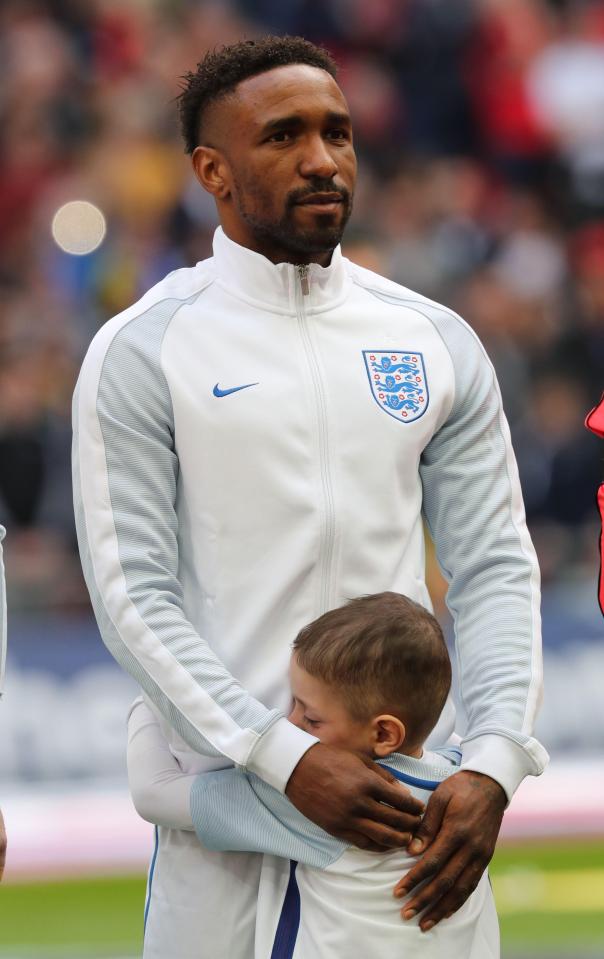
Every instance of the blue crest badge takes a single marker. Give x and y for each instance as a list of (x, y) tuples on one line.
[(398, 382)]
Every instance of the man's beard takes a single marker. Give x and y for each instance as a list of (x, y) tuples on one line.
[(287, 235)]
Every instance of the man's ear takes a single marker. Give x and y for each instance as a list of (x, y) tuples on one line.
[(212, 171), (388, 735)]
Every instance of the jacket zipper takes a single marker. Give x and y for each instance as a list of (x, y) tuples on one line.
[(327, 541)]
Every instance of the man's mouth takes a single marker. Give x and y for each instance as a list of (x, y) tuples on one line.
[(322, 202), (320, 198)]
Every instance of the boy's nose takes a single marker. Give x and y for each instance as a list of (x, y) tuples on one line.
[(295, 715)]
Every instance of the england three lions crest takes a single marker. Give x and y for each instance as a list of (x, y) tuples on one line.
[(398, 382)]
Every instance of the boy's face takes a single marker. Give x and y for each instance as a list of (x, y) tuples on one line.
[(321, 712)]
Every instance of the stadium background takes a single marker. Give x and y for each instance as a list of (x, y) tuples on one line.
[(480, 131)]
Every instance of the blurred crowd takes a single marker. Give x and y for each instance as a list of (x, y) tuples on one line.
[(479, 126)]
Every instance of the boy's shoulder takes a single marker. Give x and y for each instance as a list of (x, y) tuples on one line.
[(425, 773)]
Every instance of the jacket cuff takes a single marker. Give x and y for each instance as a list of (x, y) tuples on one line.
[(278, 752), (504, 760)]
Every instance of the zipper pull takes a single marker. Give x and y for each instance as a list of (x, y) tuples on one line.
[(304, 280)]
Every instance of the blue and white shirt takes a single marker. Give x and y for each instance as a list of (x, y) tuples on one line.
[(320, 899)]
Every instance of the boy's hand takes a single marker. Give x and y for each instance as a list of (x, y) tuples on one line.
[(459, 832), (344, 793)]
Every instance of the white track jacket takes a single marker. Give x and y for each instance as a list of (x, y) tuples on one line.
[(257, 443)]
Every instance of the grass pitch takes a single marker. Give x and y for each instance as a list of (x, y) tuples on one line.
[(80, 918), (550, 899)]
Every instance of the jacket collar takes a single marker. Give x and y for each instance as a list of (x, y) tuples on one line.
[(276, 286)]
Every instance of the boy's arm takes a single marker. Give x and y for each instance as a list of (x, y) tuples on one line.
[(229, 810), (237, 811), (160, 790)]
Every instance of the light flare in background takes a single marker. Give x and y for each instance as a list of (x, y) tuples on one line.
[(78, 227)]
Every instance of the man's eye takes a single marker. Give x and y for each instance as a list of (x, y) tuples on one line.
[(338, 134), (282, 136)]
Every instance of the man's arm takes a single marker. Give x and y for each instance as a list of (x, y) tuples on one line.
[(474, 510), (473, 505), (125, 473)]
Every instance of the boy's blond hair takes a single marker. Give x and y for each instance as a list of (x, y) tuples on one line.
[(383, 654)]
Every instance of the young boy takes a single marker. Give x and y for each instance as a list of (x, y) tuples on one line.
[(372, 677)]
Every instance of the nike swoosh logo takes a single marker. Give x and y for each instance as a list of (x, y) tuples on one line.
[(234, 389)]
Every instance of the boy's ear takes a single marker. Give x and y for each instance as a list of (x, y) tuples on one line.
[(389, 735)]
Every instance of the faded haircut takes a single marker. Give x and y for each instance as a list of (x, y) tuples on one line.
[(382, 654), (220, 71)]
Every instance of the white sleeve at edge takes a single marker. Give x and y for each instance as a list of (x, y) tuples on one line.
[(2, 614)]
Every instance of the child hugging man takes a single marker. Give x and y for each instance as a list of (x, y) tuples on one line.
[(371, 676)]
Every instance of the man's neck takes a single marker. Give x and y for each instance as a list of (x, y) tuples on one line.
[(273, 251)]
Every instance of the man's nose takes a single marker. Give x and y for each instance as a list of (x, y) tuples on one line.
[(317, 160)]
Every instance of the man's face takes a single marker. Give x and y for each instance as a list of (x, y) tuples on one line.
[(285, 142), (318, 710)]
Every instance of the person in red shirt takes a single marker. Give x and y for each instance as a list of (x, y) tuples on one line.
[(594, 421)]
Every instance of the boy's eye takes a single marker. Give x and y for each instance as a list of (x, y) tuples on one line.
[(312, 722)]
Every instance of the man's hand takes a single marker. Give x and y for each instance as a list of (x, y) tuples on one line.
[(344, 793), (459, 832), (2, 846)]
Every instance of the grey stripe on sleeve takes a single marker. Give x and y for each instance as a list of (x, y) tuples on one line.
[(238, 812), (135, 412), (473, 506)]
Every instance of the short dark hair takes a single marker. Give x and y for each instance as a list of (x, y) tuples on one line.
[(381, 653), (220, 71)]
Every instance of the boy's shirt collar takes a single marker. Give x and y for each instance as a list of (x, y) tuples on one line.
[(427, 772)]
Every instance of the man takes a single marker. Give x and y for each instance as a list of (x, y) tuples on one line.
[(594, 421), (255, 442)]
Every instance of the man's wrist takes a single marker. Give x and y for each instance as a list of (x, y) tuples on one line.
[(278, 751), (486, 782), (505, 761)]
